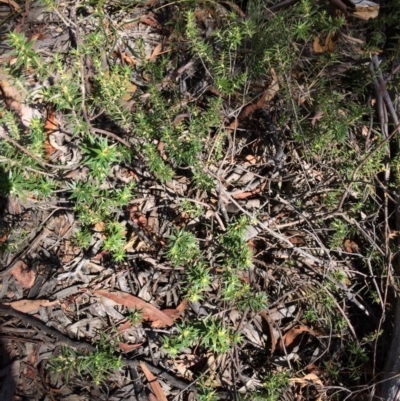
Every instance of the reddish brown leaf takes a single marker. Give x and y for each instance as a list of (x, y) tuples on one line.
[(292, 334), (50, 126), (244, 195), (149, 312), (11, 96), (129, 347), (174, 314), (124, 326), (23, 274), (30, 305), (154, 384), (274, 340), (268, 95), (327, 47), (156, 52), (350, 246)]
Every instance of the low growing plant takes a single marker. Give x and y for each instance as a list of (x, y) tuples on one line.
[(96, 365)]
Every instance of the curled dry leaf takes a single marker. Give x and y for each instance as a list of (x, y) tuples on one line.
[(11, 95), (174, 314), (290, 336), (274, 340), (154, 384), (129, 347), (50, 126), (327, 47), (350, 246), (23, 274), (30, 305), (267, 96), (305, 381), (149, 312), (156, 52), (365, 9)]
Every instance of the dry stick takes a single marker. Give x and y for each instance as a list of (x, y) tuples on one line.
[(33, 321), (391, 387), (111, 135), (276, 235), (357, 169), (384, 103)]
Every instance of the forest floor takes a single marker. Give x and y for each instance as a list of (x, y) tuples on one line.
[(198, 200)]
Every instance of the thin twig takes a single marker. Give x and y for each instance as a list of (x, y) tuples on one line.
[(360, 165), (34, 157)]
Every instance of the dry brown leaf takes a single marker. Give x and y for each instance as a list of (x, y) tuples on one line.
[(149, 312), (311, 378), (291, 335), (50, 126), (12, 4), (130, 90), (365, 9), (23, 274), (127, 59), (129, 347), (267, 96), (274, 340), (154, 384), (124, 326), (328, 46), (11, 95), (245, 195), (30, 305), (350, 246), (156, 52), (174, 314)]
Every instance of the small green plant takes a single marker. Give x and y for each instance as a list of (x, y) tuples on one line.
[(211, 334), (205, 393), (96, 365), (339, 235), (193, 210), (235, 251), (274, 385), (311, 315), (135, 316), (183, 248)]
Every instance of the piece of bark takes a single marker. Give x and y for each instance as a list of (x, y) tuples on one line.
[(390, 387)]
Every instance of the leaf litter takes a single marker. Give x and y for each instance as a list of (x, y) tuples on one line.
[(261, 175)]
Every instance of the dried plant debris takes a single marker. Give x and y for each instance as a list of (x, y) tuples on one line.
[(198, 201)]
